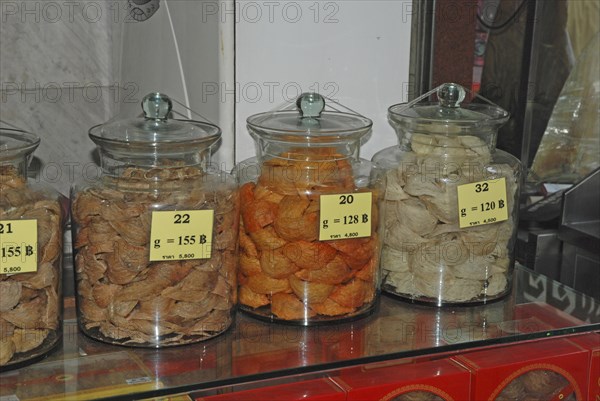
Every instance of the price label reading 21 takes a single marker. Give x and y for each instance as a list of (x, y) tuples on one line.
[(345, 216), (482, 203), (181, 235), (18, 246)]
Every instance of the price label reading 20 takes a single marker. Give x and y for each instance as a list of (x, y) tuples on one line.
[(345, 216)]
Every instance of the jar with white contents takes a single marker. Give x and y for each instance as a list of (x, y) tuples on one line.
[(450, 201)]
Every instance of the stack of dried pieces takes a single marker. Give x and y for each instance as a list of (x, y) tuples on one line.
[(122, 296), (30, 302), (285, 270), (426, 253)]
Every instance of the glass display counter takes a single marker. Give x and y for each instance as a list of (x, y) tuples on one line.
[(252, 350)]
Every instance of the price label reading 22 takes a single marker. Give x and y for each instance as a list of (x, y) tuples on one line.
[(345, 216), (18, 246), (181, 235), (482, 203)]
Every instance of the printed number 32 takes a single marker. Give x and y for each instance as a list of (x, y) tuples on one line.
[(481, 187)]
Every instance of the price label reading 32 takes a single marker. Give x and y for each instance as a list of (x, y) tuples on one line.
[(18, 246), (482, 203), (181, 235), (345, 216)]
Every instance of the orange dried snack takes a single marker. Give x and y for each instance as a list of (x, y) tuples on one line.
[(357, 251), (289, 248), (264, 193), (278, 175), (258, 214), (252, 299), (276, 265), (249, 265), (331, 308), (289, 307), (351, 295), (310, 292), (267, 238), (368, 271), (292, 223), (246, 244), (334, 272), (247, 193), (263, 284), (309, 255)]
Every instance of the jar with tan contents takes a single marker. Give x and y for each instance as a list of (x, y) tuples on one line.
[(309, 231), (451, 201), (31, 237), (155, 237)]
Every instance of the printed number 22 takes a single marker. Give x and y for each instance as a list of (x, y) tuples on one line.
[(182, 219)]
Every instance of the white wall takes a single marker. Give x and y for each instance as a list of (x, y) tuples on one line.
[(355, 51), (184, 50)]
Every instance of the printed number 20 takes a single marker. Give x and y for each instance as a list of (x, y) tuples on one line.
[(346, 199)]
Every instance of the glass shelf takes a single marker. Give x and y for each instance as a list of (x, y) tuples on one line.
[(252, 350)]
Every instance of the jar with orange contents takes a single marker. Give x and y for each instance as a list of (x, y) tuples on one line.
[(309, 227)]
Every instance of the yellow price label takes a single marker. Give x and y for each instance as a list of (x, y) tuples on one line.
[(181, 235), (482, 203), (345, 216), (18, 246)]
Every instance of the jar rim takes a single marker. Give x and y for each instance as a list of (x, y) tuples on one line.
[(278, 126), (489, 115), (15, 143)]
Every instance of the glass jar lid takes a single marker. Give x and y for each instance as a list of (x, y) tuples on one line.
[(310, 119), (16, 143), (450, 109), (156, 130)]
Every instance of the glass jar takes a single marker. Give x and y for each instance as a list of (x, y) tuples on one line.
[(31, 238), (451, 201), (155, 237), (309, 232)]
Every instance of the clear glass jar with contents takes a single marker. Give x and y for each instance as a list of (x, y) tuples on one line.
[(31, 238), (155, 237), (309, 231), (451, 201)]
